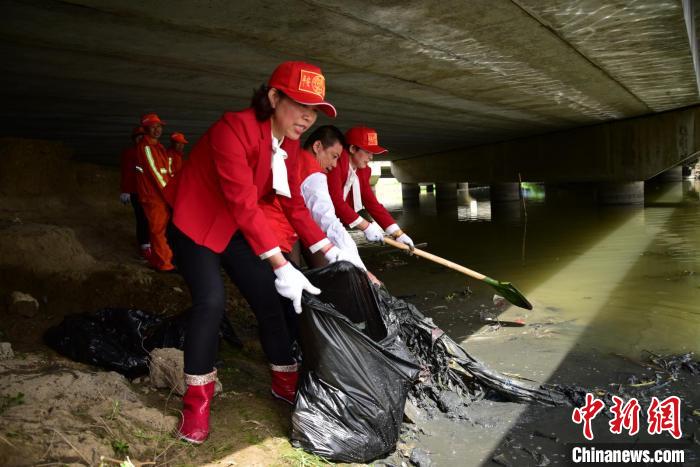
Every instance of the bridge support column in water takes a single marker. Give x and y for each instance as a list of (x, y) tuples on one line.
[(446, 192), (501, 192), (410, 192)]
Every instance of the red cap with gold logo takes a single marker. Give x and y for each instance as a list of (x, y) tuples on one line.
[(304, 83), (365, 138)]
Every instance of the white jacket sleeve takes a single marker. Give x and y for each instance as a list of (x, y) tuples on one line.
[(314, 190)]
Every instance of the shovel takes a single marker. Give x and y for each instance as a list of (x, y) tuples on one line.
[(505, 289)]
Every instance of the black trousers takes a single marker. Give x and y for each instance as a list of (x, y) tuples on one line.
[(201, 269), (142, 234)]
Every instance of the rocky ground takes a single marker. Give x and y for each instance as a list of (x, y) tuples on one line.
[(67, 245)]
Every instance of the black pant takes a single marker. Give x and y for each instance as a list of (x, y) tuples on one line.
[(201, 268), (142, 234)]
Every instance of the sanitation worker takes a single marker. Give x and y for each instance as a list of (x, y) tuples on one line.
[(129, 191), (154, 171), (217, 222), (350, 189), (176, 151)]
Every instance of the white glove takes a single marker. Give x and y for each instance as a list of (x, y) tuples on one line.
[(374, 233), (125, 198), (290, 283), (336, 254), (406, 240)]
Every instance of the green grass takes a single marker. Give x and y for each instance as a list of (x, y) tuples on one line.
[(10, 401), (120, 448), (301, 458)]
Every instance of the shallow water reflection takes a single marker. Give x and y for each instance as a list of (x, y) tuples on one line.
[(628, 277)]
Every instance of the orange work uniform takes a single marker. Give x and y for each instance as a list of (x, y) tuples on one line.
[(174, 161), (154, 171)]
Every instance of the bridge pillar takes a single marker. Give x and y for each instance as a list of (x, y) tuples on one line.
[(501, 192), (445, 192), (506, 213), (621, 193), (410, 191)]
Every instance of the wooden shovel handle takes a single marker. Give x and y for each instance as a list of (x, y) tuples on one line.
[(436, 259)]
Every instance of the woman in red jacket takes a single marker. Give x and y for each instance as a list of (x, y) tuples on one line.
[(350, 190), (217, 223)]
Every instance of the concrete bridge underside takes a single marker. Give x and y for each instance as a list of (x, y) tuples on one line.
[(629, 150), (459, 91)]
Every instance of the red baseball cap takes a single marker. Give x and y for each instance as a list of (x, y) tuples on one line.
[(365, 138), (178, 138), (304, 83), (151, 119)]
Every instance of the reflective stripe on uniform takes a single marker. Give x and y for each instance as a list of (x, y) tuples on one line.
[(170, 165), (152, 163)]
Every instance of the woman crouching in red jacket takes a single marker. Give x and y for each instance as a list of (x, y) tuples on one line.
[(243, 157)]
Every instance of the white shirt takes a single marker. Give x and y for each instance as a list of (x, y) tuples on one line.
[(279, 169), (353, 183), (314, 190)]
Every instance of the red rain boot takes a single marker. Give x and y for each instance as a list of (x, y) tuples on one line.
[(195, 407), (284, 381)]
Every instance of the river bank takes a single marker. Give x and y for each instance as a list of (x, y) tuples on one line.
[(66, 241)]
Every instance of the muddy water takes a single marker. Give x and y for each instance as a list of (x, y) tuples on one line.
[(627, 276), (607, 285)]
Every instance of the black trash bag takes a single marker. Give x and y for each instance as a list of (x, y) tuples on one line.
[(121, 339), (355, 374)]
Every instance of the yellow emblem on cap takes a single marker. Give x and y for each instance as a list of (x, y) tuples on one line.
[(313, 83), (372, 139)]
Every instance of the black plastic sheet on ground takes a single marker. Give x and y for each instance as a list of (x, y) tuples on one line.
[(120, 339), (356, 374)]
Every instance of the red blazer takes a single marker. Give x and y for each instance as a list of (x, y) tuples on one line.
[(344, 207), (227, 174), (128, 165), (286, 236)]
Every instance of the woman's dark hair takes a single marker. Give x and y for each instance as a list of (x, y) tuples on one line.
[(328, 135), (261, 103)]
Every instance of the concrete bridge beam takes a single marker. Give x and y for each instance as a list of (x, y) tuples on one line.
[(621, 193), (619, 151)]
